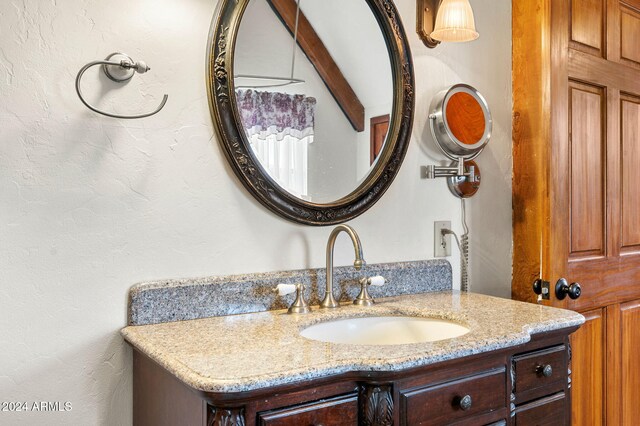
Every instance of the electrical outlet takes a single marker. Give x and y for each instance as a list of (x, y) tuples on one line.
[(441, 243)]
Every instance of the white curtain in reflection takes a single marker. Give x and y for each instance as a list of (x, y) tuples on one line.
[(286, 160), (279, 127)]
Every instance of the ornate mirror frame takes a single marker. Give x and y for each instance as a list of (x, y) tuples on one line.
[(235, 145)]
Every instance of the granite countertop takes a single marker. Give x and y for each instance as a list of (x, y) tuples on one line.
[(246, 352)]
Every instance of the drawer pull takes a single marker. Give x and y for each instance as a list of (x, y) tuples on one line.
[(545, 370), (465, 402)]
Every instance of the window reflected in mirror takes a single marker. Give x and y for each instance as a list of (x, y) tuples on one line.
[(279, 127), (309, 109)]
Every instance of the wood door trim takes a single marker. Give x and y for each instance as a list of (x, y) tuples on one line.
[(531, 133)]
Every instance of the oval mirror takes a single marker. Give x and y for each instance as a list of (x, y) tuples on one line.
[(312, 102), (460, 122)]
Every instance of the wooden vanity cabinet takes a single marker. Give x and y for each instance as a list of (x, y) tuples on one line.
[(528, 384)]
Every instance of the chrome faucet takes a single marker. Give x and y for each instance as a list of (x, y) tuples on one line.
[(329, 301)]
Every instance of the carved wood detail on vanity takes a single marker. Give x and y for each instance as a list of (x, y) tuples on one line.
[(225, 416), (376, 405)]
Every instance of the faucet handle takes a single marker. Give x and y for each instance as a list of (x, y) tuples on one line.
[(364, 298), (376, 281), (284, 289), (299, 306)]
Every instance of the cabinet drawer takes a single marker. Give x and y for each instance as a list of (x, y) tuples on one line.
[(539, 373), (549, 411), (339, 411), (444, 403)]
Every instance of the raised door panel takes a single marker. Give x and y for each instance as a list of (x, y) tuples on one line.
[(588, 370), (587, 25), (586, 170), (630, 34), (630, 354), (630, 147)]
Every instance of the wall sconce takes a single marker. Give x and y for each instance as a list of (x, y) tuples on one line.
[(445, 20)]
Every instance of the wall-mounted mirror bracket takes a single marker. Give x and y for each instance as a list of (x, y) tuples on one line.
[(463, 177), (455, 169)]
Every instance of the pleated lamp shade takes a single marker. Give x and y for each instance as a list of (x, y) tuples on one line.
[(455, 22)]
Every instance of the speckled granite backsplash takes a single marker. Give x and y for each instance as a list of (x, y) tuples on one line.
[(186, 299)]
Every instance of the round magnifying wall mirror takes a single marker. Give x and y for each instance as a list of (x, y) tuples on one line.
[(460, 122), (313, 106)]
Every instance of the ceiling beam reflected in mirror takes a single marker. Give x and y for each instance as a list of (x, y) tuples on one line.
[(323, 62)]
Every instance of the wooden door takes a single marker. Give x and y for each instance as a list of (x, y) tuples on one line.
[(576, 185), (378, 127), (602, 241)]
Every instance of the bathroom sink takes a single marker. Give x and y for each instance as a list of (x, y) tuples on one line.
[(384, 330)]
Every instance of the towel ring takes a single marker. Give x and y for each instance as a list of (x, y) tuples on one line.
[(119, 68)]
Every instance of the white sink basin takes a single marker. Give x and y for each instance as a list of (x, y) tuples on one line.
[(384, 330)]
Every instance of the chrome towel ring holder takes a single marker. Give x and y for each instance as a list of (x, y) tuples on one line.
[(119, 68)]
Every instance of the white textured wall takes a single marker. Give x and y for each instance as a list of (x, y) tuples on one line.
[(90, 205)]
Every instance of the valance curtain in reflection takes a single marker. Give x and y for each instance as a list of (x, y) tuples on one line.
[(279, 127)]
